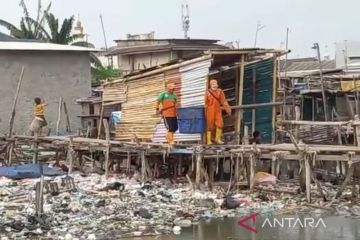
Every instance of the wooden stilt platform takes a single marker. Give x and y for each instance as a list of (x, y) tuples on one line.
[(201, 155)]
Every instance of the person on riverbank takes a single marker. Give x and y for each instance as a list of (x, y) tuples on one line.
[(166, 106), (214, 100)]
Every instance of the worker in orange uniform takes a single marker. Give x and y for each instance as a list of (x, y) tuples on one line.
[(214, 99), (168, 101)]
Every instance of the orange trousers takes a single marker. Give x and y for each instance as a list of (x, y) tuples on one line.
[(213, 118)]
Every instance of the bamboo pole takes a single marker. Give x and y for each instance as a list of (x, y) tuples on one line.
[(308, 180), (252, 171), (274, 96), (70, 155), (198, 169), (256, 105), (107, 145), (100, 121), (13, 112), (59, 116), (240, 97), (68, 126), (348, 177), (143, 166)]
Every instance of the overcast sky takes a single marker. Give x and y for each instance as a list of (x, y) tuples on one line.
[(309, 21)]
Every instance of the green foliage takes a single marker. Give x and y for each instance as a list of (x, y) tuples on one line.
[(106, 73)]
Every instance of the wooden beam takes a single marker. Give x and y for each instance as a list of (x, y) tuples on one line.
[(313, 123), (257, 105)]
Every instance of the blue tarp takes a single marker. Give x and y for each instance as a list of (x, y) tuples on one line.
[(115, 117), (29, 171)]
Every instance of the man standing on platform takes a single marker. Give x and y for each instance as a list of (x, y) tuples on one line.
[(214, 99), (168, 102)]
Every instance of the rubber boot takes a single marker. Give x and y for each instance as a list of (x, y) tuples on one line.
[(218, 136), (171, 138), (168, 137), (208, 137)]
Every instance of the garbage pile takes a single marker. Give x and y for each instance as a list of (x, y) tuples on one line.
[(125, 207)]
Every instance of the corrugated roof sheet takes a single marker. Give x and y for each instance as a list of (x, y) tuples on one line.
[(40, 46), (305, 64)]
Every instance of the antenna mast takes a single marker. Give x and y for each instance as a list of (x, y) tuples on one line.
[(185, 18)]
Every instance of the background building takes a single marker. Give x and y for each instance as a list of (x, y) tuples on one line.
[(51, 71)]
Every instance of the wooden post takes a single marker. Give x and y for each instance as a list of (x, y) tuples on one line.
[(198, 167), (246, 135), (274, 96), (36, 147), (68, 127), (308, 180), (273, 164), (59, 117), (128, 162), (143, 166), (253, 112), (100, 120), (240, 98), (15, 102), (348, 177), (70, 155), (297, 118), (41, 189), (107, 151), (237, 169), (252, 171), (13, 112)]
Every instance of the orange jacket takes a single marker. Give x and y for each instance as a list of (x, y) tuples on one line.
[(213, 102)]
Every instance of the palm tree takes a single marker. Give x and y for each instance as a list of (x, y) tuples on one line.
[(29, 28), (56, 35)]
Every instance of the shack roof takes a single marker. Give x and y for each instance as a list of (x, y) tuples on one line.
[(163, 45), (41, 46)]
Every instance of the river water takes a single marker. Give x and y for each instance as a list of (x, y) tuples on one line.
[(328, 228)]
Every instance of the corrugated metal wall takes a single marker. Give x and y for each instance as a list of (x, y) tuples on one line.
[(193, 83), (138, 113), (261, 92)]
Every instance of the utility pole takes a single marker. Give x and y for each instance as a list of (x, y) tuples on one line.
[(317, 48), (259, 26), (103, 30), (185, 19)]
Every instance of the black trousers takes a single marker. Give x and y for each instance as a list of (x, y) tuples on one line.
[(171, 124)]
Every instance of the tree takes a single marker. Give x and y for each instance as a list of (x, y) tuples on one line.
[(29, 28), (104, 73), (56, 35)]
